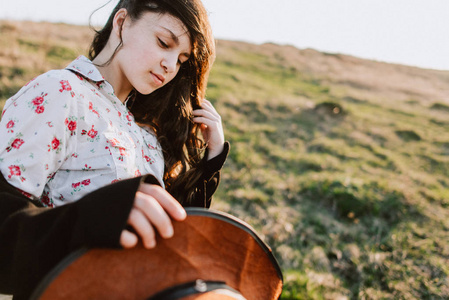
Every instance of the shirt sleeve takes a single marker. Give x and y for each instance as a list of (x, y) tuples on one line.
[(209, 181), (37, 130)]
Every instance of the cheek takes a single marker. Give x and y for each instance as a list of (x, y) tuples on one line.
[(139, 50)]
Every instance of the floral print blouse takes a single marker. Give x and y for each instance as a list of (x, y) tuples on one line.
[(66, 134)]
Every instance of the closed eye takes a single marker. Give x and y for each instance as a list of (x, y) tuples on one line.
[(162, 44)]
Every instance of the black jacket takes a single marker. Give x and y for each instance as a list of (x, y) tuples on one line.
[(34, 239)]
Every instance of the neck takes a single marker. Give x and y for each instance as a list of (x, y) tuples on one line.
[(112, 74)]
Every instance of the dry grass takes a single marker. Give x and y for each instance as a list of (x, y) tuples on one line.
[(28, 49)]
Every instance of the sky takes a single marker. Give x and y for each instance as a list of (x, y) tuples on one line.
[(411, 32)]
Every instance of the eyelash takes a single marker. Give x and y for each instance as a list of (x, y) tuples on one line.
[(165, 46)]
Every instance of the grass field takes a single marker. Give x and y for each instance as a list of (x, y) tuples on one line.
[(341, 164)]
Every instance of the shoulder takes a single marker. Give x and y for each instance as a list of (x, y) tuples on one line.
[(50, 78), (54, 82), (55, 92)]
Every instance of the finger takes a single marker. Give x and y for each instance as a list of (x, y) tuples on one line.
[(206, 121), (207, 114), (168, 203), (128, 239), (204, 132), (154, 214), (206, 103), (142, 226), (209, 107)]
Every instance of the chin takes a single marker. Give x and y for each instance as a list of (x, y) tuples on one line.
[(145, 90)]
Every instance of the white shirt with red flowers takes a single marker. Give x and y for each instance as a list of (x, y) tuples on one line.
[(66, 134)]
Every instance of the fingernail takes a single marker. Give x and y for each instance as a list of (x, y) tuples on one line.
[(169, 232), (152, 244), (182, 213)]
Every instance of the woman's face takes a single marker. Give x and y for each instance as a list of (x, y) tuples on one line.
[(154, 47)]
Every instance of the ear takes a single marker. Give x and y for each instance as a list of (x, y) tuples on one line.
[(119, 21)]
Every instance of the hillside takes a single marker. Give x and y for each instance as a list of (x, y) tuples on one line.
[(342, 164)]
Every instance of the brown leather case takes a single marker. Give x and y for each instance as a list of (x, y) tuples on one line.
[(208, 245)]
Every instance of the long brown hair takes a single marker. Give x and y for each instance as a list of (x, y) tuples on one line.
[(168, 110)]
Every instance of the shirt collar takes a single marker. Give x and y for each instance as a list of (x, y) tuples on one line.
[(83, 66)]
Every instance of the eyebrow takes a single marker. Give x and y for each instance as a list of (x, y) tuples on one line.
[(172, 35), (175, 39)]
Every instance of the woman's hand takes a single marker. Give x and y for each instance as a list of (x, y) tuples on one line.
[(211, 128), (153, 207)]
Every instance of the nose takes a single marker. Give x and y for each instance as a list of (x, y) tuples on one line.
[(169, 63)]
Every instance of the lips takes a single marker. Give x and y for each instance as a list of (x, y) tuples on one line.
[(158, 79)]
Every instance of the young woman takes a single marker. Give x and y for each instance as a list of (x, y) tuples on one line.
[(115, 144)]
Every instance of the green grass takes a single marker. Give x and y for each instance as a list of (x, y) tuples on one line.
[(348, 183), (338, 185)]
